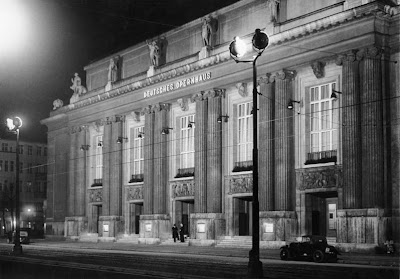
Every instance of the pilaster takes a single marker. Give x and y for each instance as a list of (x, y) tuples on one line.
[(116, 167), (161, 112), (371, 128), (200, 160), (266, 144), (284, 141), (71, 171), (214, 151), (351, 136), (148, 161), (80, 173), (107, 148)]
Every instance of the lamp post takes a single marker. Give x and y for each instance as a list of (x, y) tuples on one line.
[(237, 49), (13, 125)]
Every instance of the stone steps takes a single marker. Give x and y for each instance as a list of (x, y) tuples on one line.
[(235, 242)]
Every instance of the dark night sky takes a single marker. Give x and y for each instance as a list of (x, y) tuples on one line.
[(66, 35)]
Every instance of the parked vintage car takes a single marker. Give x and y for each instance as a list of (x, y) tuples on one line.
[(24, 237), (311, 247)]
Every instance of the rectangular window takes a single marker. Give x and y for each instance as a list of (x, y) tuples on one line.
[(5, 165), (187, 142), (29, 150), (45, 151), (30, 165), (39, 151), (4, 147), (99, 160), (323, 128), (244, 157), (21, 167), (138, 156), (11, 165)]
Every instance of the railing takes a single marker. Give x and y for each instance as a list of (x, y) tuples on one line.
[(243, 166), (187, 172), (136, 178), (97, 182), (321, 157)]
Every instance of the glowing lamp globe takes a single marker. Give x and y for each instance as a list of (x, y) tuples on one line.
[(237, 48), (260, 40)]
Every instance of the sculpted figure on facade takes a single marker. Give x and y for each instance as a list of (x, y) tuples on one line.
[(77, 87), (113, 69), (273, 6), (57, 104), (206, 31), (154, 52), (318, 69)]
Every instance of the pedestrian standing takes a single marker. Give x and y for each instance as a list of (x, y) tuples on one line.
[(175, 232), (182, 233)]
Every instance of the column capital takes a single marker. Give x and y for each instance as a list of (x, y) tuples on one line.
[(349, 56), (215, 93), (160, 107), (198, 97), (264, 79), (371, 52), (146, 110), (283, 74)]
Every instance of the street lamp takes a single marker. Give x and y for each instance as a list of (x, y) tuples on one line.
[(237, 50), (13, 125)]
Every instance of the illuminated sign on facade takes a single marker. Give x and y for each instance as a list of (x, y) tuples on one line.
[(177, 85)]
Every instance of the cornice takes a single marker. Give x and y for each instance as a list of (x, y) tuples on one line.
[(132, 84)]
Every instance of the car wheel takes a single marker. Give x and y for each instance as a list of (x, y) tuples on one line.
[(284, 254), (318, 256)]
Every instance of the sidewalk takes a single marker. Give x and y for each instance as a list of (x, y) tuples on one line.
[(177, 248)]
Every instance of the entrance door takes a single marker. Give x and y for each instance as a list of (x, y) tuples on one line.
[(331, 206), (135, 210), (96, 213), (243, 219), (183, 211)]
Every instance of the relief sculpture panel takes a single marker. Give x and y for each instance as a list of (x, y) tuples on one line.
[(96, 195), (182, 188), (241, 184), (314, 178), (134, 193)]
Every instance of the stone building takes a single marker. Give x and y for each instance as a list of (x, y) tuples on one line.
[(32, 185), (171, 141)]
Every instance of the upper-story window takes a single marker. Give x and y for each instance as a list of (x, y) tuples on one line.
[(186, 146), (5, 165), (11, 165), (137, 160), (30, 149), (4, 147), (45, 151), (39, 151), (323, 126), (244, 155), (98, 161), (21, 149)]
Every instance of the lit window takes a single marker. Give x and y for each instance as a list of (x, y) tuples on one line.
[(138, 157), (187, 142), (244, 155), (99, 158)]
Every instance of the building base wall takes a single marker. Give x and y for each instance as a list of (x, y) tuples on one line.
[(363, 226), (207, 228), (54, 229), (154, 228), (110, 227), (278, 225), (74, 226)]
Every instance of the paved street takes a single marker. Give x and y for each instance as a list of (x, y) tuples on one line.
[(122, 260)]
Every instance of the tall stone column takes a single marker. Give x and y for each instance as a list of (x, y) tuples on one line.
[(161, 112), (371, 128), (351, 135), (284, 142), (200, 147), (148, 161), (71, 170), (116, 167), (80, 174), (266, 144), (214, 151), (107, 149)]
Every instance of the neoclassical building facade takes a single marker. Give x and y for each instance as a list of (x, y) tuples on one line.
[(162, 132)]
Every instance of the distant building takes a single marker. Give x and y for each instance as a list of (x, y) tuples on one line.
[(32, 185), (172, 142)]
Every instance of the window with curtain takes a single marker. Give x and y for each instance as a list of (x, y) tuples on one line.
[(186, 146), (323, 125), (244, 155), (137, 162)]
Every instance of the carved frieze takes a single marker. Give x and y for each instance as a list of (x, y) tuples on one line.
[(314, 178), (134, 193), (182, 188), (215, 93), (242, 89), (96, 195), (240, 184), (318, 68), (183, 103)]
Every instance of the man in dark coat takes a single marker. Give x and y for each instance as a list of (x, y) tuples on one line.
[(175, 233), (181, 233)]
